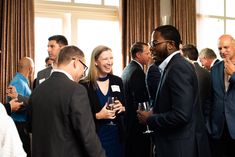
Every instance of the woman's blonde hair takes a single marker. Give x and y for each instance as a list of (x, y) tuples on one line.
[(93, 73)]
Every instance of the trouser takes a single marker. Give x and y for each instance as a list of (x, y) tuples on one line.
[(24, 136), (223, 147)]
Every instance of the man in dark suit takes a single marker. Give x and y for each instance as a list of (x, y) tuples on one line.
[(176, 117), (208, 58), (190, 52), (137, 143), (62, 123), (55, 44), (153, 76), (222, 116)]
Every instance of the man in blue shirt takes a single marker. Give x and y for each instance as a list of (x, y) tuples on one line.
[(21, 83)]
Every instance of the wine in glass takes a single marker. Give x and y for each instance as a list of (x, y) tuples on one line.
[(144, 106), (110, 103)]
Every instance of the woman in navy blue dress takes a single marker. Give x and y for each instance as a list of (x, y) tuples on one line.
[(101, 85)]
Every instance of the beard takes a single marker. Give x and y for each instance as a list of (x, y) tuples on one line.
[(160, 55)]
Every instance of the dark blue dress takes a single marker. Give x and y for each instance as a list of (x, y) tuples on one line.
[(108, 133)]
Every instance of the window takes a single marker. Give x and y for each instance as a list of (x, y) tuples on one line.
[(94, 37), (84, 25), (214, 18), (44, 28)]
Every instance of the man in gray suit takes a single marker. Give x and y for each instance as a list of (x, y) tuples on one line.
[(55, 44), (62, 122)]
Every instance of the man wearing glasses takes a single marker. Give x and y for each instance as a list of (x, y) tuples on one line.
[(176, 118), (62, 123)]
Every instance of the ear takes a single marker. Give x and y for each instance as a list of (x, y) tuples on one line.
[(170, 46), (74, 64), (138, 54)]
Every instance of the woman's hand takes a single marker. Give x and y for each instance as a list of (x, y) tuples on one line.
[(118, 107), (105, 113)]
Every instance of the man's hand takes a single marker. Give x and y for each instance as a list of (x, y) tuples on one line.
[(143, 116), (11, 92), (229, 67), (15, 105)]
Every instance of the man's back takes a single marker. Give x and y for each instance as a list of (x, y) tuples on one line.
[(203, 76), (62, 124), (137, 143)]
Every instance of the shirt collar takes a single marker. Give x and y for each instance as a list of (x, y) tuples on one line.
[(62, 71), (139, 64), (163, 65), (213, 62)]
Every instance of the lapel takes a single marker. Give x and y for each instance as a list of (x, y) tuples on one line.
[(221, 76), (164, 75)]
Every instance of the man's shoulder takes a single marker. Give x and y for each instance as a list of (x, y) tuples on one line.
[(217, 66), (48, 69)]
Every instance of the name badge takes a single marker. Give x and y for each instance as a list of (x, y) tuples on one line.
[(115, 88), (41, 80)]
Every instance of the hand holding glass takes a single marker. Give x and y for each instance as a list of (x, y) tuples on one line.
[(110, 103), (144, 106)]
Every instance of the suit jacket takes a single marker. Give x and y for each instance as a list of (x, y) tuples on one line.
[(216, 61), (137, 144), (177, 119), (203, 76), (62, 123), (223, 102), (96, 106), (43, 75), (153, 77)]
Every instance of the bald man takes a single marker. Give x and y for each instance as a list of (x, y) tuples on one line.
[(222, 115), (21, 82)]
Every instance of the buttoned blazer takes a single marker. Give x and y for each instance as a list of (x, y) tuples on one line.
[(177, 119), (223, 102), (62, 123)]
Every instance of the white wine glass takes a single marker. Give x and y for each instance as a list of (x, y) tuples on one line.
[(110, 103), (144, 106)]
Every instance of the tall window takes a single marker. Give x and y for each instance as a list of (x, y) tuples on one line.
[(214, 18), (85, 23)]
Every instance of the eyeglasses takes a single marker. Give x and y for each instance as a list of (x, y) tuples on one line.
[(84, 65), (155, 42)]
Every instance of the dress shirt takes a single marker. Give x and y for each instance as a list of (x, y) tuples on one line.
[(163, 65), (21, 84)]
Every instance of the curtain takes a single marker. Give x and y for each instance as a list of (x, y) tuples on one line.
[(138, 19), (17, 37), (184, 19)]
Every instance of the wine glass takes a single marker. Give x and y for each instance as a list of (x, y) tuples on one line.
[(110, 103), (144, 106)]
